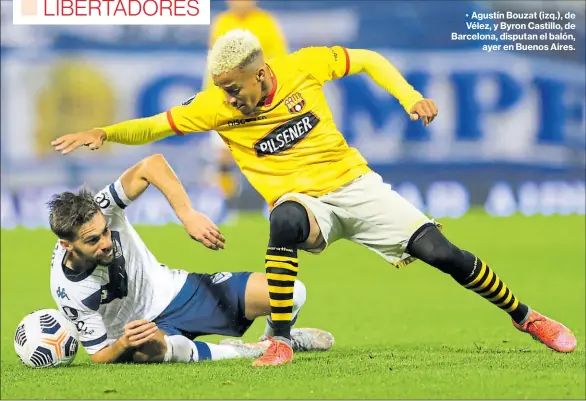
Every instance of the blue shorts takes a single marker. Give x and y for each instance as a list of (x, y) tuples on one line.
[(208, 304)]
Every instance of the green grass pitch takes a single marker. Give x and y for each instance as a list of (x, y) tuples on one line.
[(409, 333)]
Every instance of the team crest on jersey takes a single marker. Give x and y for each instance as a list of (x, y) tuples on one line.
[(295, 103)]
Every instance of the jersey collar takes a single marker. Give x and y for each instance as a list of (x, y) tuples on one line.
[(72, 275), (270, 97)]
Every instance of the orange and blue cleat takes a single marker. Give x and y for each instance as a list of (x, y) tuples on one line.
[(278, 353), (551, 333)]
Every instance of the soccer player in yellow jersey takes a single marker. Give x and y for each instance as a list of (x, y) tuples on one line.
[(243, 14), (275, 119)]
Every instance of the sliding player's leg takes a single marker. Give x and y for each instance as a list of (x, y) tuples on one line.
[(174, 347), (257, 304)]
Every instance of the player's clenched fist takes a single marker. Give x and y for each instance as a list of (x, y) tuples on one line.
[(425, 109), (68, 143), (202, 229), (138, 332)]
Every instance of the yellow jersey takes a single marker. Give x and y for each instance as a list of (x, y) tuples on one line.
[(292, 144)]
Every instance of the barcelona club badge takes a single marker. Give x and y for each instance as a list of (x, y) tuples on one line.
[(295, 103)]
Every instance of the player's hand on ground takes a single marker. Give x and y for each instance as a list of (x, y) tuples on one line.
[(425, 110), (202, 229), (93, 139), (138, 332)]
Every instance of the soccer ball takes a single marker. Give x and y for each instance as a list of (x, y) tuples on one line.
[(45, 338)]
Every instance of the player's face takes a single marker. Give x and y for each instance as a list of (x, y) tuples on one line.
[(243, 87), (94, 242)]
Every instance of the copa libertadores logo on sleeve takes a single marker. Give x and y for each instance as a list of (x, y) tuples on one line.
[(111, 12)]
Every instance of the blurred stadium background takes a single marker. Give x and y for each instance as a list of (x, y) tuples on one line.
[(510, 136)]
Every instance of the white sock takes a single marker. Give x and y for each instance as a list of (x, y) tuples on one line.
[(182, 349), (299, 297)]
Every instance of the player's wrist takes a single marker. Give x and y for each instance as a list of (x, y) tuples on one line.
[(121, 345), (184, 213), (101, 134)]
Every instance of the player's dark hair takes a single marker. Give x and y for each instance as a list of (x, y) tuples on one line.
[(69, 211), (250, 59)]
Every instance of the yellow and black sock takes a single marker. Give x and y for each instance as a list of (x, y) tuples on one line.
[(486, 283), (281, 265), (431, 246)]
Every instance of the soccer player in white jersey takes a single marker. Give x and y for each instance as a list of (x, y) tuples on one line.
[(129, 307)]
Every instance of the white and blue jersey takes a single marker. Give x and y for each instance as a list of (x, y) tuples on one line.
[(134, 286)]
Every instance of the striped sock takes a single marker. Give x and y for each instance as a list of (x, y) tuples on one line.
[(281, 265), (485, 282)]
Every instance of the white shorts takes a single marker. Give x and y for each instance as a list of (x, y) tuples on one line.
[(366, 211)]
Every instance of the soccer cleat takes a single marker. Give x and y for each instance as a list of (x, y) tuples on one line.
[(551, 333), (278, 353), (309, 340)]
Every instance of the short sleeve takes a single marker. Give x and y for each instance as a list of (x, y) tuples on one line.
[(112, 199), (90, 326), (323, 63), (197, 114)]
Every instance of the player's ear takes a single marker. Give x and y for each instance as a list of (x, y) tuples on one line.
[(260, 75), (66, 245)]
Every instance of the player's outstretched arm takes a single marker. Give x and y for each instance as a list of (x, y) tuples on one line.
[(196, 115), (156, 171), (132, 132), (381, 71)]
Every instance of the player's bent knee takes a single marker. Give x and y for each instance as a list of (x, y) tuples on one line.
[(429, 245), (289, 224)]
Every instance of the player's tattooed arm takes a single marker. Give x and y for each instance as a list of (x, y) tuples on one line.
[(156, 171)]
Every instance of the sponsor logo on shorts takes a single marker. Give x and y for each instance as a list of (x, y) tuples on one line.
[(218, 278), (287, 135)]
